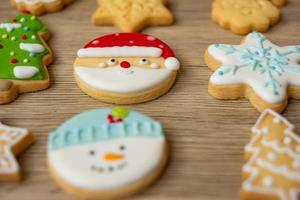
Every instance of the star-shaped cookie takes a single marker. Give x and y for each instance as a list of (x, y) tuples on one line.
[(132, 15), (13, 141), (259, 70)]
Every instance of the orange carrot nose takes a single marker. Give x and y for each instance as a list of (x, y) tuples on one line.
[(113, 156)]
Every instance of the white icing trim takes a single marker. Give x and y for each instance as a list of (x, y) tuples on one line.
[(25, 72), (33, 2), (125, 51), (10, 26), (32, 48)]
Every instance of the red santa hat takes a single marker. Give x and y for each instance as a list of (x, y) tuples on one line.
[(130, 45)]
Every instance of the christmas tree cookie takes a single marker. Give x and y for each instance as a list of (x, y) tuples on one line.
[(126, 68), (38, 7), (257, 69), (13, 141), (272, 171), (132, 15), (107, 153), (24, 56)]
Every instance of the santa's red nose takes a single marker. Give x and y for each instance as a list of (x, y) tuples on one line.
[(125, 64)]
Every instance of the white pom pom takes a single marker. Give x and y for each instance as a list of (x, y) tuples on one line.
[(172, 63)]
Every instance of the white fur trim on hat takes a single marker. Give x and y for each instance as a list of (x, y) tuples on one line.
[(172, 63), (125, 51)]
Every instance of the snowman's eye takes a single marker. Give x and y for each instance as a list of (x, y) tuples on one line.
[(144, 61), (122, 147), (112, 61), (92, 152)]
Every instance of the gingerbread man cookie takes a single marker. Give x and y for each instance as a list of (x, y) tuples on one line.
[(24, 56), (107, 153), (38, 7), (245, 16), (126, 68), (132, 15), (13, 141), (272, 170), (257, 69)]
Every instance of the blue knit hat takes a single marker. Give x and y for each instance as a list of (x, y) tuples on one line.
[(103, 124)]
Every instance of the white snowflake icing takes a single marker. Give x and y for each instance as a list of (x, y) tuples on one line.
[(266, 67)]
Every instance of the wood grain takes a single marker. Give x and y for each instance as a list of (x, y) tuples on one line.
[(207, 136)]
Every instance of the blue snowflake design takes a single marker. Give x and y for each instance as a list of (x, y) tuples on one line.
[(263, 59)]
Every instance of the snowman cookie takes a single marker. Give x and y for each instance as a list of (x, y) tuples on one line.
[(126, 68), (38, 7), (24, 56), (107, 153), (258, 70)]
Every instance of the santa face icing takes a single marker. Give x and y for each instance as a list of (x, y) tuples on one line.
[(125, 63), (267, 68), (106, 149)]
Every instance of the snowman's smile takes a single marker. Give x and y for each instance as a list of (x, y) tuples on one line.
[(108, 169)]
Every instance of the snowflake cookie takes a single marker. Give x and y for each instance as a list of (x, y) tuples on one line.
[(13, 141), (245, 16), (38, 7), (107, 153), (24, 56), (132, 15), (272, 170), (257, 69)]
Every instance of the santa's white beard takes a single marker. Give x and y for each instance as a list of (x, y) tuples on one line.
[(120, 80)]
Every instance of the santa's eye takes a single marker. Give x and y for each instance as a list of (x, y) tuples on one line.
[(122, 147), (144, 61), (92, 152), (112, 61)]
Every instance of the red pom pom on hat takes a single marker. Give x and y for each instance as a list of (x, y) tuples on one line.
[(130, 45)]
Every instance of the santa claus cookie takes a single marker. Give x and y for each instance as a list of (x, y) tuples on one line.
[(126, 68), (272, 171), (132, 15), (13, 141), (107, 153), (257, 69), (245, 16), (38, 7), (24, 56)]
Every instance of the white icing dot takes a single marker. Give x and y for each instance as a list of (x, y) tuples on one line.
[(13, 38), (96, 42), (268, 181), (33, 37), (151, 38), (296, 164), (22, 19), (25, 60), (265, 130), (161, 46), (255, 130), (271, 156), (131, 42), (154, 65), (117, 34), (102, 65), (287, 140), (276, 120)]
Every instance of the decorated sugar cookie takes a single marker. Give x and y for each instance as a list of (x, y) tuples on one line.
[(24, 56), (132, 15), (257, 69), (13, 141), (38, 7), (126, 68), (272, 170), (245, 16), (107, 153), (279, 3)]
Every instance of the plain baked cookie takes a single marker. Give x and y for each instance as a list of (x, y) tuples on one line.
[(245, 16), (107, 153), (38, 7), (257, 69), (272, 171), (24, 56), (132, 15), (126, 68), (13, 141)]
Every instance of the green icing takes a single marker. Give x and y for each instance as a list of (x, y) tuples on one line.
[(10, 46), (119, 112)]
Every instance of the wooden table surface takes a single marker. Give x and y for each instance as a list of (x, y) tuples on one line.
[(206, 136)]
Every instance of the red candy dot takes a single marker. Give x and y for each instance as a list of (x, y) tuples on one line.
[(24, 36), (125, 64), (26, 12), (14, 20), (119, 120), (13, 60), (1, 46)]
